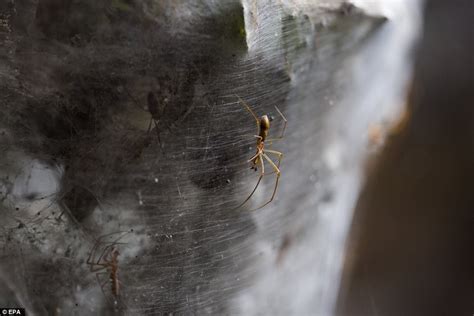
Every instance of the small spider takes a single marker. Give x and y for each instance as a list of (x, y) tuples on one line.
[(106, 264), (153, 108), (263, 127)]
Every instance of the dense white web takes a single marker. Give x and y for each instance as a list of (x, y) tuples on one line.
[(85, 157)]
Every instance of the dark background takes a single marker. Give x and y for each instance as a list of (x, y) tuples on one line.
[(411, 247)]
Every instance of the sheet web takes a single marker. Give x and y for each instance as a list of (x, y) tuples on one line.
[(85, 158)]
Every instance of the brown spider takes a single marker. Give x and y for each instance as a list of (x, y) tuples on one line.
[(263, 127), (106, 264)]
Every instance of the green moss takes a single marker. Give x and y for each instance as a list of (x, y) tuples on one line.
[(121, 5), (240, 23), (233, 24)]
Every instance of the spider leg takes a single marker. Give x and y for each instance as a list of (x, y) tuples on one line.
[(280, 156), (100, 240), (285, 121), (262, 173), (257, 121), (102, 286), (95, 267), (258, 150), (284, 124), (122, 234), (255, 156), (115, 241), (154, 122), (107, 249), (91, 258), (277, 171), (98, 279), (251, 135)]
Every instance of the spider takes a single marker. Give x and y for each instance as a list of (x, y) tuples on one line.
[(153, 108), (155, 111), (263, 127), (106, 263)]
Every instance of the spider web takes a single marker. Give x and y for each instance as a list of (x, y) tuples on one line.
[(81, 161)]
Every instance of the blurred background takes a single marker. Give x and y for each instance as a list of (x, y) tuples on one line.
[(411, 240), (121, 128)]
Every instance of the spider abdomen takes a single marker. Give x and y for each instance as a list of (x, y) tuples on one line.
[(264, 127)]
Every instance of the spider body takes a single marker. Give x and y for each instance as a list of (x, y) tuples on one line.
[(113, 273), (106, 264), (263, 126)]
